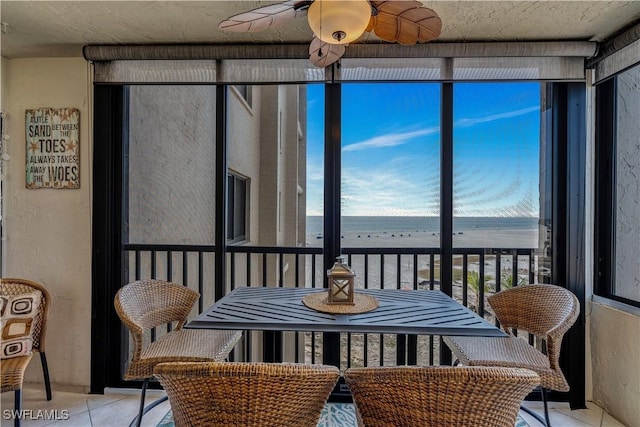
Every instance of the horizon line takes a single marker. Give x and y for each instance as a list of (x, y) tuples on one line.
[(429, 216)]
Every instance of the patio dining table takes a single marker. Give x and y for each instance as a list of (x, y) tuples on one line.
[(420, 312)]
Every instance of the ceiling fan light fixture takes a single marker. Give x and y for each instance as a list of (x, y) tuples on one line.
[(339, 21)]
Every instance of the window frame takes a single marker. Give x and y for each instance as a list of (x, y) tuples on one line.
[(110, 131), (230, 216), (245, 93), (605, 191)]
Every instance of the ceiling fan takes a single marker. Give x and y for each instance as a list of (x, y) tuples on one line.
[(336, 23)]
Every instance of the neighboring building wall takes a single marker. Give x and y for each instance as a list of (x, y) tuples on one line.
[(281, 183), (302, 166), (172, 154), (290, 152), (243, 150), (244, 140), (269, 167), (172, 161), (48, 232), (263, 148), (172, 193)]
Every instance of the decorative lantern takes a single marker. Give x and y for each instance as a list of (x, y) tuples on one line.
[(340, 283)]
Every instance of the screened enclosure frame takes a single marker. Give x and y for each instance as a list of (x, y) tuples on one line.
[(606, 193), (567, 94)]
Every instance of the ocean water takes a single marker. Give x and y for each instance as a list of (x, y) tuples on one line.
[(363, 224)]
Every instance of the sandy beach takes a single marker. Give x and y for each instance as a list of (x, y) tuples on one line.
[(499, 238), (404, 266)]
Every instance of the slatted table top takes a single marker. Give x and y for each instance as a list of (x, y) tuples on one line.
[(400, 312)]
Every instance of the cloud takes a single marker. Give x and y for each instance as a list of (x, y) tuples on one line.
[(494, 117), (395, 139), (390, 191), (315, 172), (390, 140)]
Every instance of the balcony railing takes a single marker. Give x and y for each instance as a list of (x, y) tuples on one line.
[(477, 273)]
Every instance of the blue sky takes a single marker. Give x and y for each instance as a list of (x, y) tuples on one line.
[(391, 149)]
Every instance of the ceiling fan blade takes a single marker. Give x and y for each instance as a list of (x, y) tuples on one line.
[(371, 25), (406, 22), (322, 54), (262, 18)]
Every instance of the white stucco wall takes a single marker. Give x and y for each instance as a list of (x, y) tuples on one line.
[(48, 231), (615, 343)]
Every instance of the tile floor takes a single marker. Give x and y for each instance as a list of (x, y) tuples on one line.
[(116, 408)]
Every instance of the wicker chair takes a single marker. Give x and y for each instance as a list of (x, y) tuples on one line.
[(11, 380), (407, 396), (12, 286), (546, 311), (146, 304), (247, 394)]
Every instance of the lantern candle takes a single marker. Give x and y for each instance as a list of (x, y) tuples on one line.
[(340, 283)]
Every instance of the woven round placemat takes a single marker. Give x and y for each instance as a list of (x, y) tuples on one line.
[(362, 304)]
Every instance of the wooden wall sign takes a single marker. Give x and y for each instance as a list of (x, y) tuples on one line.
[(53, 148)]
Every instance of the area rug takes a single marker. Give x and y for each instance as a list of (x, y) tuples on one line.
[(333, 415)]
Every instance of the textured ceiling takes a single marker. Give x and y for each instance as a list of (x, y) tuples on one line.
[(61, 28)]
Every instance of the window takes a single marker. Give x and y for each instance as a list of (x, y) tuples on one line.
[(246, 93), (236, 208), (618, 188)]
